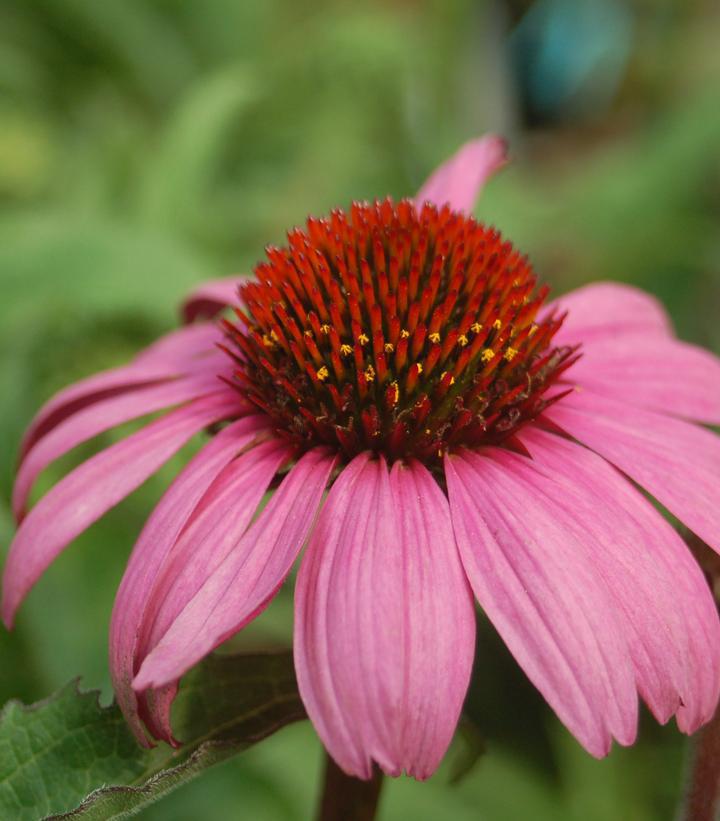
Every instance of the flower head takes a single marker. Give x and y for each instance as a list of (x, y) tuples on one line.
[(401, 330), (475, 442)]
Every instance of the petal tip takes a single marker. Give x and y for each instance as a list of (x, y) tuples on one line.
[(10, 603), (8, 619), (146, 679), (459, 181)]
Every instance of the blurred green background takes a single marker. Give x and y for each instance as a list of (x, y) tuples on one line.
[(146, 145)]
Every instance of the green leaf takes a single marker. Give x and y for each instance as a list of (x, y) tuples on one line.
[(68, 757)]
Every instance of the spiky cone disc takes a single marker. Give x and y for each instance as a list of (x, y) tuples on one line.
[(394, 330)]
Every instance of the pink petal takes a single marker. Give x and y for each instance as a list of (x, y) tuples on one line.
[(99, 417), (217, 524), (178, 346), (459, 181), (654, 372), (384, 622), (209, 535), (156, 540), (247, 579), (81, 394), (84, 495), (669, 613), (210, 298), (527, 566), (189, 351), (678, 463), (606, 309)]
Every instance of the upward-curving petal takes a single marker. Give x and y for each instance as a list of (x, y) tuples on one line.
[(244, 581), (657, 586), (210, 299), (155, 542), (529, 571), (97, 485), (459, 181), (675, 461), (384, 623)]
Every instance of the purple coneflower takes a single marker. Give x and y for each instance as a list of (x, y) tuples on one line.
[(472, 440)]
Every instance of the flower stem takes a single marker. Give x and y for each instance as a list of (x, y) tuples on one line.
[(345, 798), (702, 790)]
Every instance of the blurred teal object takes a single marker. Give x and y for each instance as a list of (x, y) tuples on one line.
[(570, 56)]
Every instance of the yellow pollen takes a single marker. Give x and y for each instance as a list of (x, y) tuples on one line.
[(476, 327), (487, 354), (389, 347), (346, 349), (497, 324), (533, 329), (325, 329), (363, 339), (370, 373), (510, 354), (462, 340), (267, 341), (323, 373), (396, 390), (273, 336), (404, 334), (419, 367), (308, 332), (434, 337), (444, 374)]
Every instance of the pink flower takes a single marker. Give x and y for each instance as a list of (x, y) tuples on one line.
[(476, 443)]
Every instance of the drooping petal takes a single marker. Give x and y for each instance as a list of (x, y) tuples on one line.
[(214, 528), (217, 525), (675, 461), (248, 577), (182, 344), (155, 542), (384, 624), (670, 616), (210, 298), (460, 179), (529, 573), (186, 352), (81, 394), (654, 372), (101, 416), (606, 310), (97, 485)]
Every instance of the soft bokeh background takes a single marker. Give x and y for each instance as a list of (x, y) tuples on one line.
[(146, 145)]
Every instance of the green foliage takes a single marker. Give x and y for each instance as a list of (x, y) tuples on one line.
[(69, 751)]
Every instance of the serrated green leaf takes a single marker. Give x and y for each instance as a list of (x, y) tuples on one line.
[(69, 757)]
